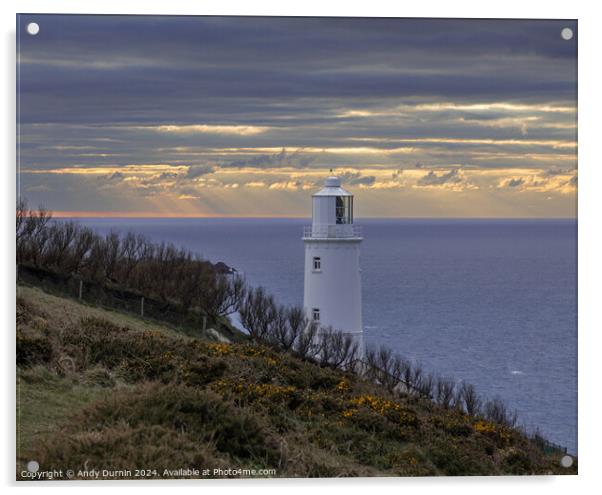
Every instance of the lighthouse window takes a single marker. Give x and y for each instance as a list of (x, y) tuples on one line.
[(316, 314), (317, 264), (344, 209)]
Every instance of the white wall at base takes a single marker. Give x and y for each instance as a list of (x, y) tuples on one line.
[(335, 289)]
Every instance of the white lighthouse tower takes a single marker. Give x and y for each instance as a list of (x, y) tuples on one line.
[(332, 295)]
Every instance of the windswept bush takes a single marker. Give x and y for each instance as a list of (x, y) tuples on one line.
[(337, 349), (306, 346), (445, 392), (291, 324), (469, 399), (496, 411), (383, 367), (259, 314), (132, 261), (289, 329)]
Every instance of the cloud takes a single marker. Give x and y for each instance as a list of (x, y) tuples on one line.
[(286, 185), (38, 188), (111, 170), (169, 175), (557, 171), (237, 130), (511, 183), (432, 179), (281, 159), (366, 180), (116, 176), (543, 182), (199, 170)]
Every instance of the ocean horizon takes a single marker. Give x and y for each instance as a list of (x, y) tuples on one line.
[(489, 301)]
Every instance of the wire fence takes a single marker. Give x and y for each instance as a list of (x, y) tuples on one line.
[(192, 322)]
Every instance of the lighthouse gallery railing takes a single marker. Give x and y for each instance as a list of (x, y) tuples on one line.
[(332, 231)]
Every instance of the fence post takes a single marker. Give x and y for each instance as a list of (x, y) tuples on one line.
[(81, 289), (142, 306), (204, 323)]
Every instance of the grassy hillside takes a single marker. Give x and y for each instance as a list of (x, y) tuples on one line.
[(102, 390)]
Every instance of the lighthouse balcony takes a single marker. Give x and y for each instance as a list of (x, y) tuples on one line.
[(332, 232)]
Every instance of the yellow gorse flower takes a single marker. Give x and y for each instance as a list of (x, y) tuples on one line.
[(484, 427), (241, 350), (342, 386), (254, 390), (385, 407), (377, 404), (220, 349)]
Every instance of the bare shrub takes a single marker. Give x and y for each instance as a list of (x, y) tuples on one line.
[(445, 392), (287, 327), (296, 323), (336, 349), (32, 233), (221, 294), (427, 385), (496, 411), (257, 314), (306, 346), (468, 398), (158, 270), (383, 366)]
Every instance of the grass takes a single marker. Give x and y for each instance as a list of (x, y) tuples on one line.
[(98, 389), (63, 310), (44, 400), (60, 304)]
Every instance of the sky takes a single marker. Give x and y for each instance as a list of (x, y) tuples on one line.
[(234, 116)]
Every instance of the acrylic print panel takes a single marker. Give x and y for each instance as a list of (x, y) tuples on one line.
[(295, 247)]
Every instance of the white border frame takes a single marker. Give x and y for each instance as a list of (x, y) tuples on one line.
[(590, 245)]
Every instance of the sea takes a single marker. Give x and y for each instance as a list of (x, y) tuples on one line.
[(490, 302)]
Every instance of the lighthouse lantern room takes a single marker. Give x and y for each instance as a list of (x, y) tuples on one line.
[(332, 285)]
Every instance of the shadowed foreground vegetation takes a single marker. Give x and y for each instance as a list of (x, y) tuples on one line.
[(102, 390)]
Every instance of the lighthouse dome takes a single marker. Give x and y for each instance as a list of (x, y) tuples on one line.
[(332, 187), (332, 181)]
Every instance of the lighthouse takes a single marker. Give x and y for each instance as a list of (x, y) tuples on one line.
[(332, 281)]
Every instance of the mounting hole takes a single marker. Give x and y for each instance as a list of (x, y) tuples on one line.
[(33, 28), (566, 461), (567, 34)]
